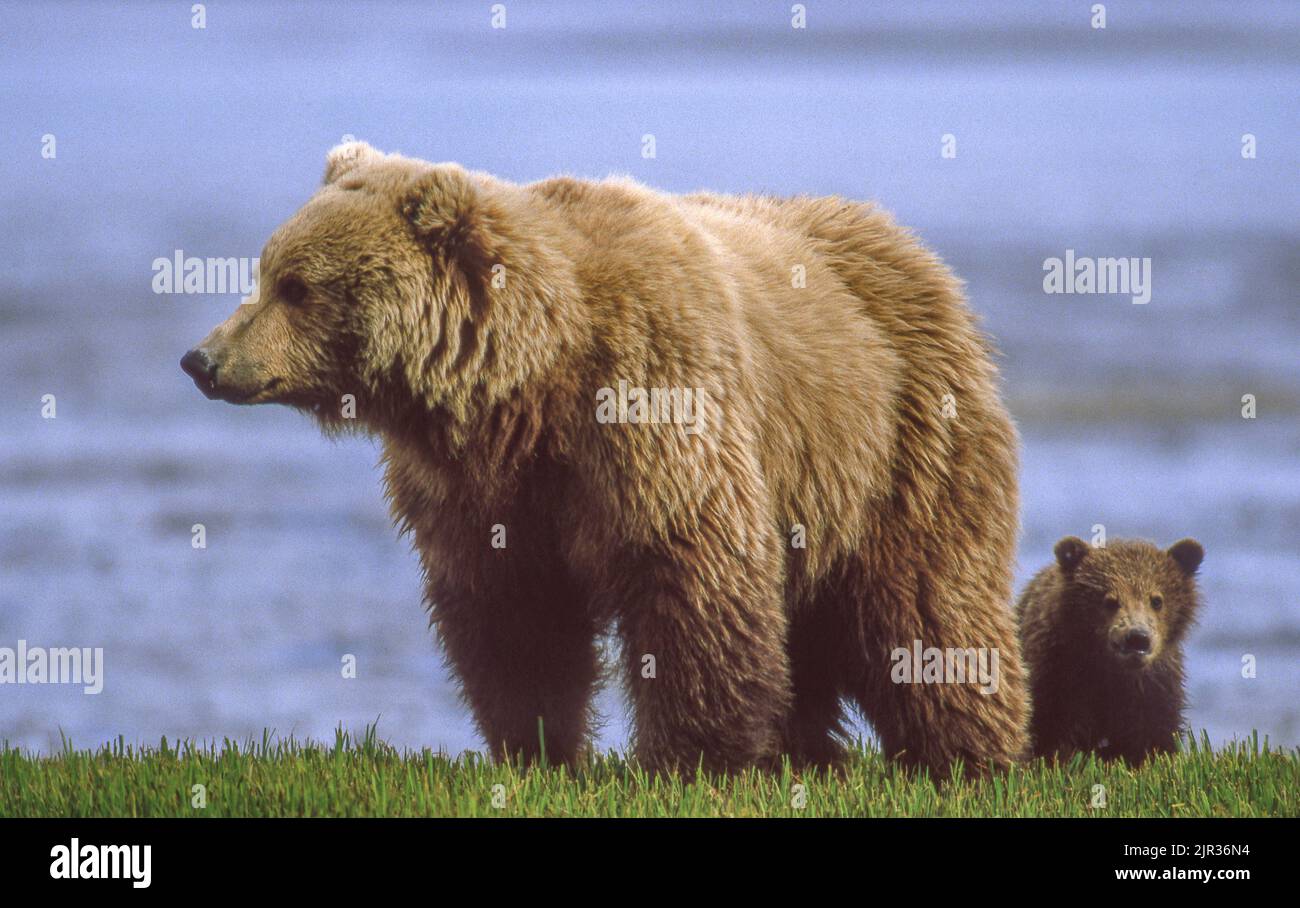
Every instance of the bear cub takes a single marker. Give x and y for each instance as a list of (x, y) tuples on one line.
[(1101, 632)]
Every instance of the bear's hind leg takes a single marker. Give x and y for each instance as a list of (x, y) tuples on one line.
[(974, 708), (814, 732)]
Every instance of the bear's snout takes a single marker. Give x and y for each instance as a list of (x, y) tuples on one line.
[(1136, 642), (1134, 645), (200, 367), (221, 379)]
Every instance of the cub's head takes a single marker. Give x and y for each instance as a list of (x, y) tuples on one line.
[(375, 294), (1135, 600)]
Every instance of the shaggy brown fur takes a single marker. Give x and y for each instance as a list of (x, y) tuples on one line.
[(475, 322), (1102, 632)]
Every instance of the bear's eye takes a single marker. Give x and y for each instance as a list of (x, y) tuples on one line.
[(1157, 603), (292, 290), (1112, 602)]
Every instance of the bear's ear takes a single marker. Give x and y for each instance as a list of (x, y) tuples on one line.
[(1187, 554), (1069, 552), (346, 157), (445, 208)]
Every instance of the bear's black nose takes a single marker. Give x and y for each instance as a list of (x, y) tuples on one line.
[(200, 367), (1137, 641)]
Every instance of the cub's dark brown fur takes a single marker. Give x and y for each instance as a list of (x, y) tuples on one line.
[(1101, 632)]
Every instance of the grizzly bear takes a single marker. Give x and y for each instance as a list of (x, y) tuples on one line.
[(1101, 632), (758, 439)]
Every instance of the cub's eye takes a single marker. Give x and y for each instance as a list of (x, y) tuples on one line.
[(1157, 603), (292, 290), (1112, 602)]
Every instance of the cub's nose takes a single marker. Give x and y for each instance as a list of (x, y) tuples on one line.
[(200, 367), (1137, 641)]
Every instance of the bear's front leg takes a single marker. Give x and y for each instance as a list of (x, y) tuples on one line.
[(527, 664), (707, 670), (680, 549)]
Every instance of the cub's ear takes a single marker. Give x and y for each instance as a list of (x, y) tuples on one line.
[(1187, 554), (1069, 552), (446, 209), (346, 157)]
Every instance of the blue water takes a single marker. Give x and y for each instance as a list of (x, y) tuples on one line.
[(1117, 142)]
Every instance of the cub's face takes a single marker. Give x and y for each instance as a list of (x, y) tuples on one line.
[(339, 283), (1136, 600)]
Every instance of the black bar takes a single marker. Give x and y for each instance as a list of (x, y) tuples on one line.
[(438, 856)]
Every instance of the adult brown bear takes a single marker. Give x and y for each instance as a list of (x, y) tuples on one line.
[(761, 438)]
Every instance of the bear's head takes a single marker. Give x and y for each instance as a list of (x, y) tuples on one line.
[(1132, 600), (401, 286)]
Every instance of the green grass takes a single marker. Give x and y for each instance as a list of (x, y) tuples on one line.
[(366, 777)]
